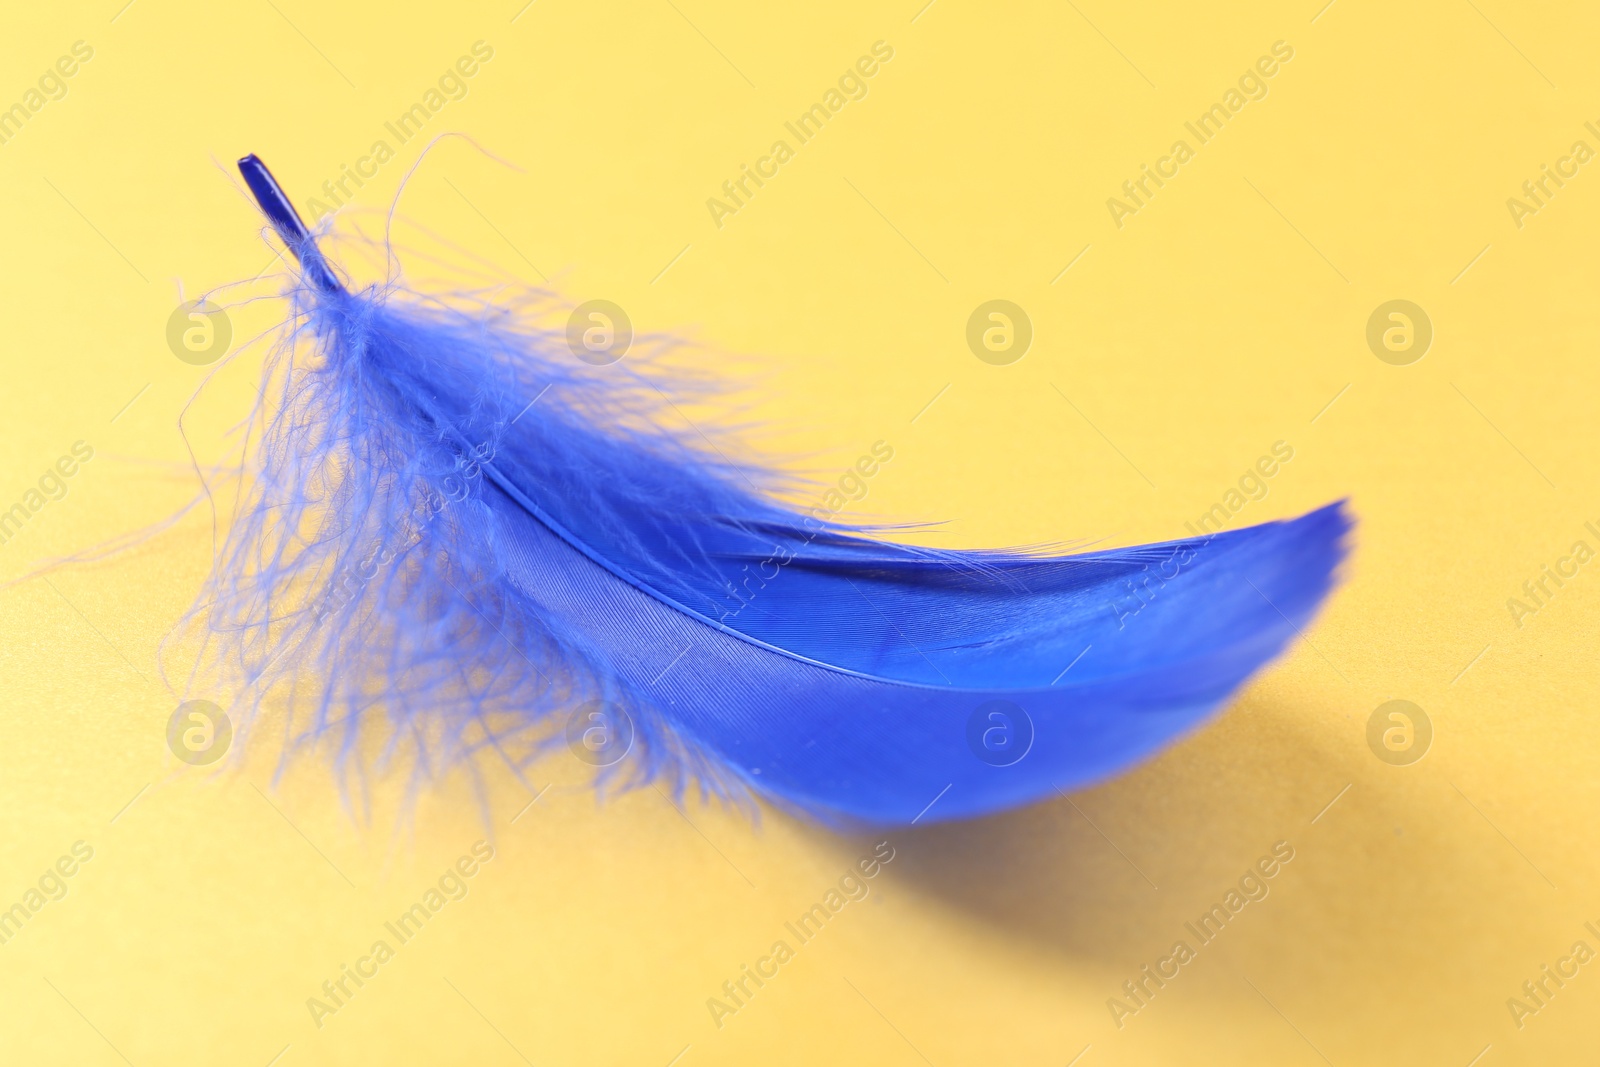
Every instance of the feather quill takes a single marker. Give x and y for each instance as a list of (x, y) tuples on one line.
[(454, 528)]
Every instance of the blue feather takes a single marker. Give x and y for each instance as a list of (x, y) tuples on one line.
[(459, 538)]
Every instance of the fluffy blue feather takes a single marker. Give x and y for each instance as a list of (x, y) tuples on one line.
[(454, 534)]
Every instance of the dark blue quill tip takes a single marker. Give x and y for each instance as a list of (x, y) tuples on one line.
[(275, 204)]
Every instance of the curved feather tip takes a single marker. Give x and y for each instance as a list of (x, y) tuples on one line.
[(454, 537)]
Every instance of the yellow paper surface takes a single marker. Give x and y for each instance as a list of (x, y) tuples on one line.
[(1173, 345)]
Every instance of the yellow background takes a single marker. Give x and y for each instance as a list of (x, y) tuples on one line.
[(1221, 318)]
